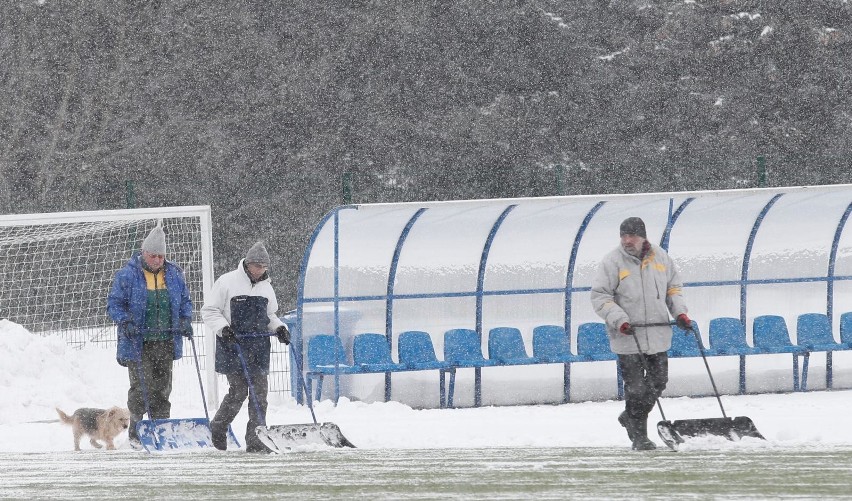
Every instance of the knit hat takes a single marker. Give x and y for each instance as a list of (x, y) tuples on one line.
[(155, 242), (633, 226), (257, 254)]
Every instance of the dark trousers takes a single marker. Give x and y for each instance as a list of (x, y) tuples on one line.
[(643, 387), (155, 383), (233, 402)]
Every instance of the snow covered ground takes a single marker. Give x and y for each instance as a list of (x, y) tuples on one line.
[(40, 373)]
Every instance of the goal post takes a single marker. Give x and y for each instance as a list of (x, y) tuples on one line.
[(56, 270)]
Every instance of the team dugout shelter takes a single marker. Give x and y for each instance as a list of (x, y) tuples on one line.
[(527, 262)]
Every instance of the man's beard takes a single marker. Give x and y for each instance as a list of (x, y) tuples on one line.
[(633, 251)]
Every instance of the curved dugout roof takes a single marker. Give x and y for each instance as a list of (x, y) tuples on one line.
[(480, 264)]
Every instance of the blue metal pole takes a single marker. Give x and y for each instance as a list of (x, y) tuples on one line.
[(480, 285), (569, 289), (832, 261), (747, 255), (391, 281)]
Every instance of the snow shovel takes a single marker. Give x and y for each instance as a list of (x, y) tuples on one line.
[(282, 437), (730, 428), (672, 433), (183, 434)]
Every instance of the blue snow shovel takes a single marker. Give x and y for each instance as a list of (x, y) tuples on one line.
[(282, 437), (177, 434)]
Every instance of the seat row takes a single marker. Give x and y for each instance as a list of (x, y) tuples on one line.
[(462, 349), (771, 336), (371, 352)]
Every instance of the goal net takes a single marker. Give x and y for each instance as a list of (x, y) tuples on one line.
[(57, 270)]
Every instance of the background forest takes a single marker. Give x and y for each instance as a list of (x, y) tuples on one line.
[(263, 109)]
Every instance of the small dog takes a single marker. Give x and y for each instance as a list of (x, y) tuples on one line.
[(98, 424)]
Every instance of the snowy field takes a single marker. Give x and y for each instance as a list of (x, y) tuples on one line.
[(538, 452)]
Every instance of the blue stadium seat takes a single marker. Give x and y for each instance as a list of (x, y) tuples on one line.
[(552, 345), (322, 350), (593, 345), (770, 336), (685, 343), (416, 352), (463, 349), (728, 338), (371, 353), (846, 328), (506, 346), (813, 333)]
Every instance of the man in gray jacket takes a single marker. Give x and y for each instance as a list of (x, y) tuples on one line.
[(635, 290)]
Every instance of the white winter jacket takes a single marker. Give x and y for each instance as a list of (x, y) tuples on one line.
[(216, 311), (638, 292)]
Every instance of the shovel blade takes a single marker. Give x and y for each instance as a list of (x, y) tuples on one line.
[(669, 435), (178, 434), (287, 436), (730, 428)]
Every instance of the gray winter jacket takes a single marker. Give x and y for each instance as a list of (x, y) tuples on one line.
[(638, 292)]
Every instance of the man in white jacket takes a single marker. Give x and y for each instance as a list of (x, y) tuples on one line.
[(636, 288), (241, 310)]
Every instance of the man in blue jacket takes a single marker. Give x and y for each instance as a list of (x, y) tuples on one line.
[(149, 301)]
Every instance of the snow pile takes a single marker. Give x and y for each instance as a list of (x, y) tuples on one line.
[(39, 373)]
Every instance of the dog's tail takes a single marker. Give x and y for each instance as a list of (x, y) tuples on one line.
[(64, 417)]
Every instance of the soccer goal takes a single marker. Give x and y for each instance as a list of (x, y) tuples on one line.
[(56, 270)]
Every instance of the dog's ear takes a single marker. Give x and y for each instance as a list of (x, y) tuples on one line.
[(111, 412)]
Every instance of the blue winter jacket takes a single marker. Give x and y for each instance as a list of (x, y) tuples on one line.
[(128, 299)]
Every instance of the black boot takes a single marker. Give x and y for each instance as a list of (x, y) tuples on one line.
[(624, 420), (219, 435), (641, 442)]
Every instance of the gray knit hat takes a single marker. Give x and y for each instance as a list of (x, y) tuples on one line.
[(257, 254), (155, 242), (632, 226)]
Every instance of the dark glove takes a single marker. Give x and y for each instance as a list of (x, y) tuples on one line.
[(627, 329), (228, 334), (283, 334), (130, 330), (683, 322), (186, 327)]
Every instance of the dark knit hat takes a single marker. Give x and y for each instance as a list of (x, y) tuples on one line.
[(633, 226), (257, 254), (155, 242)]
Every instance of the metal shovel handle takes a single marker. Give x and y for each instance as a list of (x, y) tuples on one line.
[(200, 383), (709, 373)]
